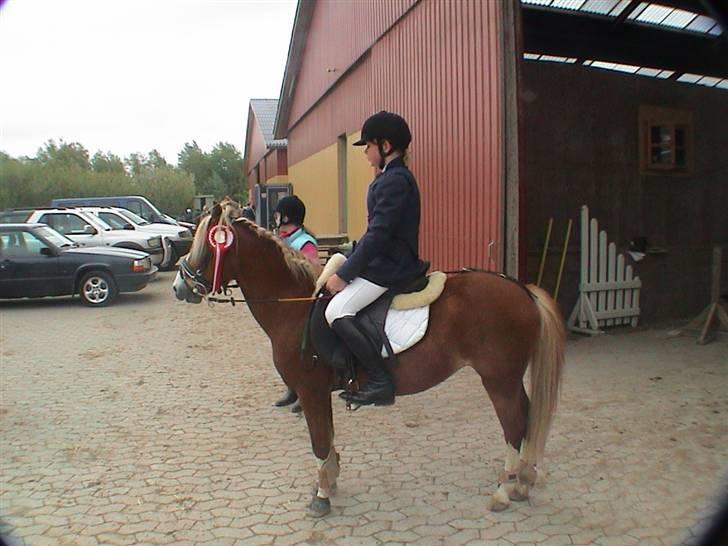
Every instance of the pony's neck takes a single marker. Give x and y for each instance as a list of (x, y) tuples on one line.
[(263, 273)]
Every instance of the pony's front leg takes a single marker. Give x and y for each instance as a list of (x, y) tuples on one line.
[(317, 410)]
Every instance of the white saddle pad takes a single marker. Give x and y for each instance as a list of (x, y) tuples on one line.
[(405, 328)]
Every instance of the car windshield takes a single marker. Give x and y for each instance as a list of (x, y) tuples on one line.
[(134, 218), (52, 236), (116, 221), (95, 220)]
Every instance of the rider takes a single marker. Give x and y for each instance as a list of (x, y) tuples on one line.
[(289, 216), (249, 212), (386, 257)]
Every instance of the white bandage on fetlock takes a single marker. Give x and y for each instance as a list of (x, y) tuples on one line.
[(328, 473), (501, 495), (512, 464)]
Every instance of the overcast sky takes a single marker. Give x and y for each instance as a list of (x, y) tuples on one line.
[(127, 76)]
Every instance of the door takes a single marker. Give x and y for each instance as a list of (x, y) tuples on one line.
[(74, 227), (26, 270), (266, 201)]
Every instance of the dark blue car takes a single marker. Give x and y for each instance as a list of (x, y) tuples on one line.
[(37, 261)]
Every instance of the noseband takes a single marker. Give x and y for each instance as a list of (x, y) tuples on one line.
[(199, 284)]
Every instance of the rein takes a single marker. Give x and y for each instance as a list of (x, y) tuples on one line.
[(231, 300)]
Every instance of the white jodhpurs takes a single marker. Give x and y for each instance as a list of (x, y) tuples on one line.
[(356, 296)]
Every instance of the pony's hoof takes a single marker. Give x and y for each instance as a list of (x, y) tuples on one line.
[(498, 506), (519, 493), (319, 507), (527, 474)]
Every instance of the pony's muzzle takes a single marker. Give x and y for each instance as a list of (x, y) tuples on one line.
[(182, 291)]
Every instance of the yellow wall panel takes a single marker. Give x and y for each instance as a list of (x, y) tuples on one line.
[(278, 179), (315, 181), (359, 174)]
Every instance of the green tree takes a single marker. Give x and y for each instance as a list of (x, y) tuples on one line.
[(156, 160), (228, 164), (193, 160), (107, 163), (67, 154), (135, 163), (170, 189), (219, 172)]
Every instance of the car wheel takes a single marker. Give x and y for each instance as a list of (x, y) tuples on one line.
[(97, 289)]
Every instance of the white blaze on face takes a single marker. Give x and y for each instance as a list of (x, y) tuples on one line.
[(179, 286)]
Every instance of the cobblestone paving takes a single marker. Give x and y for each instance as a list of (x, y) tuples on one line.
[(150, 422)]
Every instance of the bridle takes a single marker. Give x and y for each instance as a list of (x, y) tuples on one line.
[(194, 279), (220, 238), (200, 286)]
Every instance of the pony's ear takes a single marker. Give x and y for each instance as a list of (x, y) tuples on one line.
[(215, 213)]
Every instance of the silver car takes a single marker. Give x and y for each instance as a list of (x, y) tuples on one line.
[(176, 240), (89, 230)]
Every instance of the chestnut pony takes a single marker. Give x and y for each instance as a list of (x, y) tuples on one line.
[(490, 323)]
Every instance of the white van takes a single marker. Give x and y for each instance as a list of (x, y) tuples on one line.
[(139, 205)]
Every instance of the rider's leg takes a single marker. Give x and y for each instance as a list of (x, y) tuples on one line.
[(379, 388), (340, 315), (289, 398)]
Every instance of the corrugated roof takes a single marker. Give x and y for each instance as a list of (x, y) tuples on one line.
[(265, 113), (648, 13)]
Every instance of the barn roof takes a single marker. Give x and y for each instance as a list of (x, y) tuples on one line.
[(265, 114)]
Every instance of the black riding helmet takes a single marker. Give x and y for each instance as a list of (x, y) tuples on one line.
[(385, 126), (291, 210)]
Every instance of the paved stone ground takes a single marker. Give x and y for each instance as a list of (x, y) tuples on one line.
[(150, 422)]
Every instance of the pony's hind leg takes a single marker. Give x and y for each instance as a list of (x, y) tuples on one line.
[(511, 405)]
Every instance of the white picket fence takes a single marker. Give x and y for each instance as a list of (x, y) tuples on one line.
[(609, 294)]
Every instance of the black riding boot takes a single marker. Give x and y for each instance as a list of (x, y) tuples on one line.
[(289, 398), (379, 389)]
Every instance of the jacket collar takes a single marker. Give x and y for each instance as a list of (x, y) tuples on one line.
[(396, 162)]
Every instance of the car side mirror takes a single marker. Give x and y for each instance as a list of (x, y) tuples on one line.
[(45, 251), (89, 230), (129, 226)]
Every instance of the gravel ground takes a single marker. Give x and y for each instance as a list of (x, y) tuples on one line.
[(150, 422)]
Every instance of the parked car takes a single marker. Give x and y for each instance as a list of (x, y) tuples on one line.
[(88, 230), (176, 240), (136, 203), (37, 261)]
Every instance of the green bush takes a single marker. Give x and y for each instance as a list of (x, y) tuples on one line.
[(65, 170)]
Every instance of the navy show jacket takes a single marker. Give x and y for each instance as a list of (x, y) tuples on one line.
[(388, 253)]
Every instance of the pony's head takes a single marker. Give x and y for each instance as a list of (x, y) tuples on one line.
[(201, 272)]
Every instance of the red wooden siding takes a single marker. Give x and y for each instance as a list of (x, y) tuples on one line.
[(439, 66), (256, 144), (274, 164), (340, 32)]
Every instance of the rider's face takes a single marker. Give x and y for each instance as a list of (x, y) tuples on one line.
[(372, 152)]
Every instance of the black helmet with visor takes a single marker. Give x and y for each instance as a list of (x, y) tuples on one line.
[(385, 126), (290, 210)]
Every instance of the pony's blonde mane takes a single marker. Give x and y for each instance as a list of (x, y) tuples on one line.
[(296, 262)]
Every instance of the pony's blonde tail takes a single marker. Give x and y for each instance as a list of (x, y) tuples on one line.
[(546, 366)]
